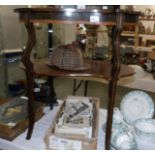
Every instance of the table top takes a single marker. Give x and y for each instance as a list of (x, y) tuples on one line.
[(77, 16), (97, 69)]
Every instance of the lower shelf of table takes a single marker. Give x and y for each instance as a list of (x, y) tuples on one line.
[(97, 69)]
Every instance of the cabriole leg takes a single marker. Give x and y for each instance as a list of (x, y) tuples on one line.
[(29, 75), (114, 75)]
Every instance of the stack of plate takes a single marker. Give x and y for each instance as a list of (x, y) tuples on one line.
[(134, 121)]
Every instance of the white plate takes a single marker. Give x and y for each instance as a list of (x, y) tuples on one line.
[(136, 105)]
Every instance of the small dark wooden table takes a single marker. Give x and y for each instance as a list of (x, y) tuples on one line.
[(108, 70)]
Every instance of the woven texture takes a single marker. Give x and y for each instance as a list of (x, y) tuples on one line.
[(67, 57)]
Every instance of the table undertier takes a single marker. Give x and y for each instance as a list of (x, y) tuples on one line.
[(96, 69)]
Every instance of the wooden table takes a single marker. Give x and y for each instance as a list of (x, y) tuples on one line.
[(116, 19)]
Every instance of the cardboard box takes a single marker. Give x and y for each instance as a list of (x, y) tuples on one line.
[(54, 140)]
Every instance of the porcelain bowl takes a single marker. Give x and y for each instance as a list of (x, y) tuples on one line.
[(144, 129), (122, 140)]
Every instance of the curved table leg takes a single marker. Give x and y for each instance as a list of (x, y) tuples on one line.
[(85, 87), (76, 86), (114, 74), (29, 75)]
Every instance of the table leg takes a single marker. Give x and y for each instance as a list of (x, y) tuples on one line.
[(52, 99), (114, 75), (76, 86), (85, 88), (29, 75)]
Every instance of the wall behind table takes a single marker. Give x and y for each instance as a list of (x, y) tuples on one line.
[(12, 37)]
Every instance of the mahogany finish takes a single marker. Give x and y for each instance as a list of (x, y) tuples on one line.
[(29, 74), (109, 71), (96, 69), (78, 16), (116, 67)]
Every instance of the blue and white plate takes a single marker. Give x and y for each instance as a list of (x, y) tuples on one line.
[(136, 105)]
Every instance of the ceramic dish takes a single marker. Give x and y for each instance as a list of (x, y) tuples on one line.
[(136, 105), (117, 116), (145, 129), (122, 140), (112, 148)]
